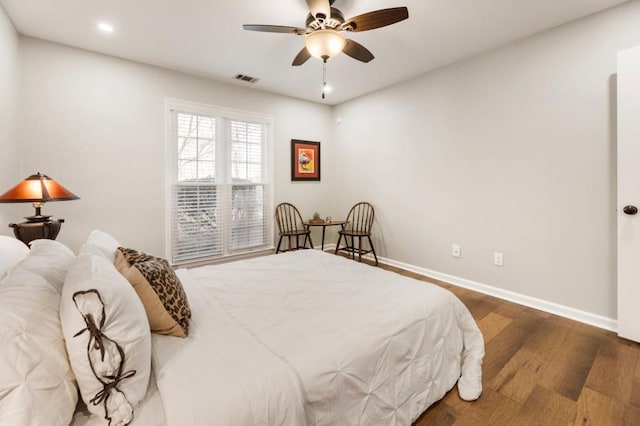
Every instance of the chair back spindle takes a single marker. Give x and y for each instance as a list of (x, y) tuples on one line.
[(360, 217)]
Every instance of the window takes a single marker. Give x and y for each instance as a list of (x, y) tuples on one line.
[(219, 182)]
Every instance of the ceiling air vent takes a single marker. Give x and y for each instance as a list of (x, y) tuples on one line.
[(246, 78)]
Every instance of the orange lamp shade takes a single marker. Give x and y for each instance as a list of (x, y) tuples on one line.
[(37, 188)]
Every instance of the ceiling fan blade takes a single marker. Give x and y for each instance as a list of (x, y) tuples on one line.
[(274, 29), (376, 19), (301, 58), (319, 7), (357, 51)]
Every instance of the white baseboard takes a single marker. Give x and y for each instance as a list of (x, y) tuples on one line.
[(521, 299)]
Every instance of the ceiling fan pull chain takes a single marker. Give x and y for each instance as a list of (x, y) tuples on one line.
[(324, 76)]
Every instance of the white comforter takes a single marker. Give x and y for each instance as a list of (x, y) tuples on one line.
[(220, 374), (308, 337)]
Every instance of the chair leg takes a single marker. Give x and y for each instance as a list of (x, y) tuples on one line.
[(310, 240), (372, 249), (353, 248), (338, 244), (360, 249), (279, 242)]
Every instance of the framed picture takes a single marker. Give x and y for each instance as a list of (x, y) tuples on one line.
[(305, 160)]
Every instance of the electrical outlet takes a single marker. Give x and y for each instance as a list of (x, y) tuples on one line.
[(455, 251), (498, 259)]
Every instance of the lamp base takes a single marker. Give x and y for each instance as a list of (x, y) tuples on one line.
[(34, 230), (39, 218)]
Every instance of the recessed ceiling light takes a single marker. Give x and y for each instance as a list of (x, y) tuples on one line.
[(327, 88), (104, 27)]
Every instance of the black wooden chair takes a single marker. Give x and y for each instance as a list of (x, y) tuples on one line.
[(359, 223), (290, 226)]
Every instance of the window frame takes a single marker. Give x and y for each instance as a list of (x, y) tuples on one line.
[(223, 159)]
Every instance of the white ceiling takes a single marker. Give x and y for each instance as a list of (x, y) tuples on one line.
[(205, 37)]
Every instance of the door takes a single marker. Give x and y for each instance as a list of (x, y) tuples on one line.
[(629, 194)]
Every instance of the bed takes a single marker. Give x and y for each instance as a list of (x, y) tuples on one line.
[(298, 338)]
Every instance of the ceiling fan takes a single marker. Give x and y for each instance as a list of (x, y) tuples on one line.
[(323, 28)]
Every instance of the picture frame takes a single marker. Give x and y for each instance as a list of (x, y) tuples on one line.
[(305, 160)]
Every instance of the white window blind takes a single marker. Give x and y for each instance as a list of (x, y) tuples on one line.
[(219, 189)]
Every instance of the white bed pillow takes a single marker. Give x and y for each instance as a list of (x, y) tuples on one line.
[(37, 386), (104, 242), (12, 251), (99, 306), (51, 260)]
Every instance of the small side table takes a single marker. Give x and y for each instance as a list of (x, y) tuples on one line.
[(324, 225), (29, 231)]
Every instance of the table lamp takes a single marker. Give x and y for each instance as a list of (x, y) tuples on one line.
[(37, 189)]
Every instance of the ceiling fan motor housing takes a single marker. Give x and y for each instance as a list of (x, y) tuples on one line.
[(333, 22)]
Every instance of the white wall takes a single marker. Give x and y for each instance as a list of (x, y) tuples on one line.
[(97, 125), (512, 151), (9, 146)]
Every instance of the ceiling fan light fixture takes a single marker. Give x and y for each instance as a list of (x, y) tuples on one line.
[(323, 44)]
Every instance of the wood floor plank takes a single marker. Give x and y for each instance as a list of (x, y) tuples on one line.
[(570, 365), (438, 414), (514, 310), (506, 344), (549, 336), (631, 416), (490, 409), (597, 409), (634, 399), (519, 376), (482, 307), (621, 358), (458, 405), (492, 324), (545, 407)]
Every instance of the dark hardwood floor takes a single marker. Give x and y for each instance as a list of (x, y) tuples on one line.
[(542, 369)]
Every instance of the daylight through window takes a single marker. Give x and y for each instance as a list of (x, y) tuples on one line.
[(220, 192)]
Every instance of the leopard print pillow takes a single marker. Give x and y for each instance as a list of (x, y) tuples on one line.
[(134, 256), (160, 290)]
